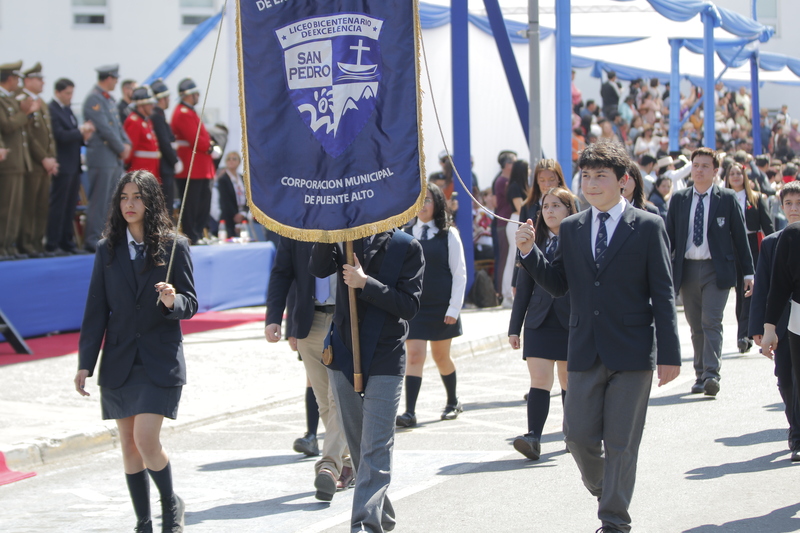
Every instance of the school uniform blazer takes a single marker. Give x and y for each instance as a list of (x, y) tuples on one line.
[(401, 302), (532, 304), (727, 238), (758, 301), (623, 312), (130, 320), (290, 275)]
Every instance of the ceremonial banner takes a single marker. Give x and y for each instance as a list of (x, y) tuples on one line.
[(329, 93)]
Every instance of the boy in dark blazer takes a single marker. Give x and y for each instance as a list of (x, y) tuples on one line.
[(369, 418), (790, 203), (707, 235), (614, 261)]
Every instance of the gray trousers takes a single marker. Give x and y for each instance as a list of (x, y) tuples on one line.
[(369, 427), (605, 410), (335, 454), (102, 182), (704, 306)]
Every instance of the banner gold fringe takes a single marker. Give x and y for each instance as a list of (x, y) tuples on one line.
[(344, 234)]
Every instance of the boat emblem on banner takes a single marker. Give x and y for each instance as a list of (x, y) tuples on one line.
[(332, 66)]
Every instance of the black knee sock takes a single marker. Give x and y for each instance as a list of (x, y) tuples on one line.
[(413, 384), (139, 489), (163, 480), (563, 397), (538, 408), (450, 386), (312, 412)]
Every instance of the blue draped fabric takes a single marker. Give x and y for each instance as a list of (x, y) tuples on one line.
[(730, 21), (433, 16), (184, 49), (773, 62)]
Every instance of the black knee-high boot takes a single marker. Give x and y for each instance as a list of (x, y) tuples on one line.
[(139, 489), (171, 504)]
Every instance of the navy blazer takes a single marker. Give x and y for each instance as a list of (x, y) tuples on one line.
[(758, 300), (532, 304), (290, 275), (727, 237), (623, 312), (130, 320), (165, 139), (400, 302), (69, 138)]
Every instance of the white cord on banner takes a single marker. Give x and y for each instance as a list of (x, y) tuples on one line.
[(194, 148), (449, 156)]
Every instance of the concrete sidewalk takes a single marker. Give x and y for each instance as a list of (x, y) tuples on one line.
[(230, 371)]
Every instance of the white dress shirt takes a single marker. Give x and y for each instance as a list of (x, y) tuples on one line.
[(615, 213), (702, 252), (455, 260)]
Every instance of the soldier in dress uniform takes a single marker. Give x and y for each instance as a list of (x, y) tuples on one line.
[(124, 106), (14, 112), (144, 145), (36, 188), (185, 123), (170, 164), (105, 151)]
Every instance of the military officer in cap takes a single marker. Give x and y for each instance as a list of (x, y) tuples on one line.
[(170, 164), (36, 188), (105, 151), (185, 123), (144, 145), (14, 112)]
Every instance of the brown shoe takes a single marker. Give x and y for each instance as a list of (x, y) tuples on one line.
[(346, 480), (325, 483)]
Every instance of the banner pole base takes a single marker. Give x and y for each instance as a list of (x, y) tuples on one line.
[(358, 382)]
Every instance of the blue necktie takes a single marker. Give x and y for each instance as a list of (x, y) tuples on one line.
[(424, 232), (322, 289), (601, 243), (550, 253), (699, 217)]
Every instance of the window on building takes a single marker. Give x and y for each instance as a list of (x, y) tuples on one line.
[(767, 12), (193, 12), (87, 13)]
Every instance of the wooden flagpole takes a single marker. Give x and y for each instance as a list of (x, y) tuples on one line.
[(358, 380)]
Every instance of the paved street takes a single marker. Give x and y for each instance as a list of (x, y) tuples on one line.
[(706, 465)]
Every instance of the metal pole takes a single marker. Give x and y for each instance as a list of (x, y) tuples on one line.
[(459, 32), (563, 86), (674, 95), (755, 100), (709, 135), (534, 96)]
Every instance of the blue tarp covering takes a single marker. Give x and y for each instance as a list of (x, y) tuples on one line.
[(433, 16)]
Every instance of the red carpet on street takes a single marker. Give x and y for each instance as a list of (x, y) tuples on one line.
[(66, 343)]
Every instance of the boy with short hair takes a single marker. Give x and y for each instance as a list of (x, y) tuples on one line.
[(790, 204), (614, 261)]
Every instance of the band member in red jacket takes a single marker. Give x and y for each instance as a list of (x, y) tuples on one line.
[(185, 123), (144, 144)]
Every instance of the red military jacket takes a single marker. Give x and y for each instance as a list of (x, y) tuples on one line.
[(184, 125), (144, 145)]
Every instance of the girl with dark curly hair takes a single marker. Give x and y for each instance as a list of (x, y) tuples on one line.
[(142, 370), (437, 321)]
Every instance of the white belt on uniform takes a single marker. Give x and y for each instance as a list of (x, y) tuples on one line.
[(144, 154), (182, 143)]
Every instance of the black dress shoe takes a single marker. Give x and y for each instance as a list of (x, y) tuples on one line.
[(451, 411), (529, 446), (711, 387), (744, 344), (607, 529), (307, 444), (172, 515), (796, 454), (697, 388), (325, 483), (20, 256), (406, 420)]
